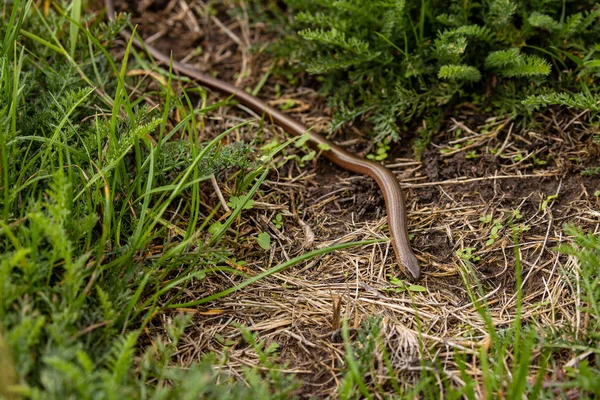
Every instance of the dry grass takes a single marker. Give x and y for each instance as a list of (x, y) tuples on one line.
[(447, 194)]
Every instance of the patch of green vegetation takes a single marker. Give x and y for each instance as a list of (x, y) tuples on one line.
[(468, 254), (278, 221), (399, 286), (88, 175), (383, 147), (397, 63)]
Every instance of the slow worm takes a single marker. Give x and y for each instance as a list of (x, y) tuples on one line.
[(392, 193)]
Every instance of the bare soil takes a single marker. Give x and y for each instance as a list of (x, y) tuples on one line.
[(530, 180)]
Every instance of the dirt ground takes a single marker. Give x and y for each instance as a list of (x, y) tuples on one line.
[(469, 193)]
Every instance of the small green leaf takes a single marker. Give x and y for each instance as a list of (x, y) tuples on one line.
[(518, 157), (278, 221), (486, 219), (213, 229), (272, 145), (517, 214), (417, 288), (287, 105), (467, 254), (272, 348), (324, 147), (236, 202), (471, 155), (302, 140), (518, 229), (396, 281), (264, 240), (309, 156), (550, 199), (239, 262), (495, 230), (222, 340)]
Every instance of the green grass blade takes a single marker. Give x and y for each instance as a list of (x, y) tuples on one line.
[(74, 26), (274, 270)]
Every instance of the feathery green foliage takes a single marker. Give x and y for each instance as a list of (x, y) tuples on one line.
[(511, 63), (577, 100), (400, 61)]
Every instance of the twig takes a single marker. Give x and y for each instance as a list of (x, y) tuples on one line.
[(485, 178), (213, 180)]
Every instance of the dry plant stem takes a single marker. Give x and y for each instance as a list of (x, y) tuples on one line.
[(213, 181), (392, 193)]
